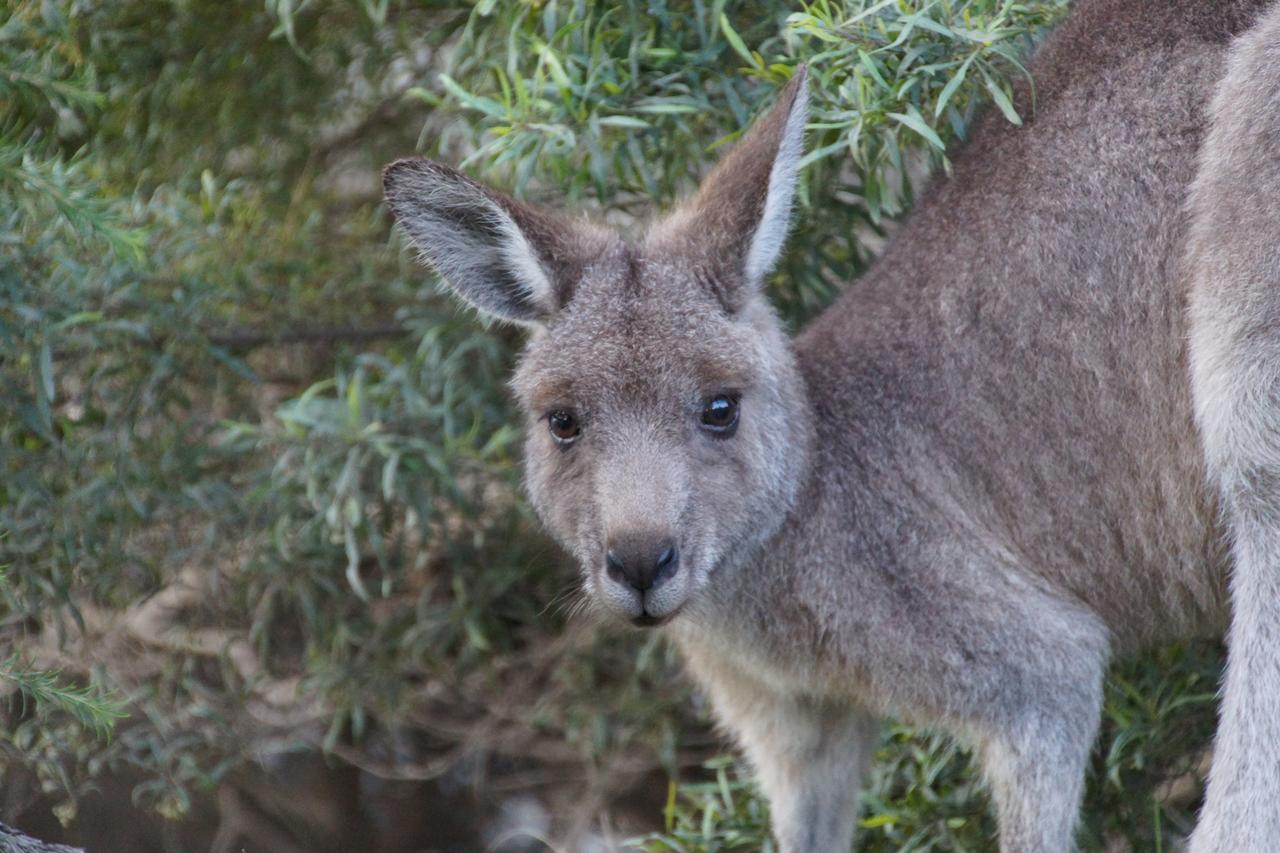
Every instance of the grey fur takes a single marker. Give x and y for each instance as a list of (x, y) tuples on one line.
[(992, 464), (1233, 263)]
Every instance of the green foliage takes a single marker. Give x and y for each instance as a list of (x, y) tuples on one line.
[(624, 103), (1157, 724), (923, 795), (725, 813), (259, 474), (87, 705)]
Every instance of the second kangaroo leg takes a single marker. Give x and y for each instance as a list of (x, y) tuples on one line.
[(1036, 769), (1235, 357), (1030, 696)]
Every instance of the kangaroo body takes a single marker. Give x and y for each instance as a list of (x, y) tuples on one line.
[(1045, 428)]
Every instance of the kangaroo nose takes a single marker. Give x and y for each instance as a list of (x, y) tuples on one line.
[(642, 561)]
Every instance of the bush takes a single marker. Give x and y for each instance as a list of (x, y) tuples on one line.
[(259, 484)]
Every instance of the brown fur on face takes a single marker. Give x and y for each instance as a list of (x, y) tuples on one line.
[(659, 344), (633, 340)]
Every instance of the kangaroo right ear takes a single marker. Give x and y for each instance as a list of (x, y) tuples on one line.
[(733, 229), (506, 258)]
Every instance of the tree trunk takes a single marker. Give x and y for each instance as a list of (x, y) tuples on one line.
[(13, 841)]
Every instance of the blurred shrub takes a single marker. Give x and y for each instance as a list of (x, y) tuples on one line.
[(258, 479)]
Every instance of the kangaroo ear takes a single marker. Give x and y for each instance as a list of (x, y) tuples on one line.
[(508, 259), (733, 229)]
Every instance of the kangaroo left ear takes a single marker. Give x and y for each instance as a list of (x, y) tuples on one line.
[(508, 259), (734, 228)]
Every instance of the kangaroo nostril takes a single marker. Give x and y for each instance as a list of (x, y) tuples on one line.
[(667, 556), (667, 564), (614, 566)]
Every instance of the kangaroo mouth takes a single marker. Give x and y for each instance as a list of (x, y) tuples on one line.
[(648, 620)]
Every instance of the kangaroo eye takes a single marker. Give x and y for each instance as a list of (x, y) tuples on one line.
[(720, 415), (564, 426)]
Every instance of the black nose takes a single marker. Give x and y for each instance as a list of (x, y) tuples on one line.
[(643, 562)]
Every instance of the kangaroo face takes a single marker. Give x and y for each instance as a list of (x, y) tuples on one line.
[(666, 425), (662, 432)]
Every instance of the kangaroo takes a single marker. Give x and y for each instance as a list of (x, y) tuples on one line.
[(1043, 430)]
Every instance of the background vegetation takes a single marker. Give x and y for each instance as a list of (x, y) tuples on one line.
[(270, 582)]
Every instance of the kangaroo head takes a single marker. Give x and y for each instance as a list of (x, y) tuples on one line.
[(667, 425)]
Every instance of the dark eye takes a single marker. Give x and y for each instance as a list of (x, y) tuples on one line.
[(720, 415), (564, 426)]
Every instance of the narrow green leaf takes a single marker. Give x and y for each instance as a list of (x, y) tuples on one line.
[(625, 121), (488, 106), (916, 123), (46, 371), (1002, 100), (952, 85), (869, 64), (736, 42)]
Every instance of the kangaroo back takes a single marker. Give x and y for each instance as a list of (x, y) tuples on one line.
[(1030, 320)]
